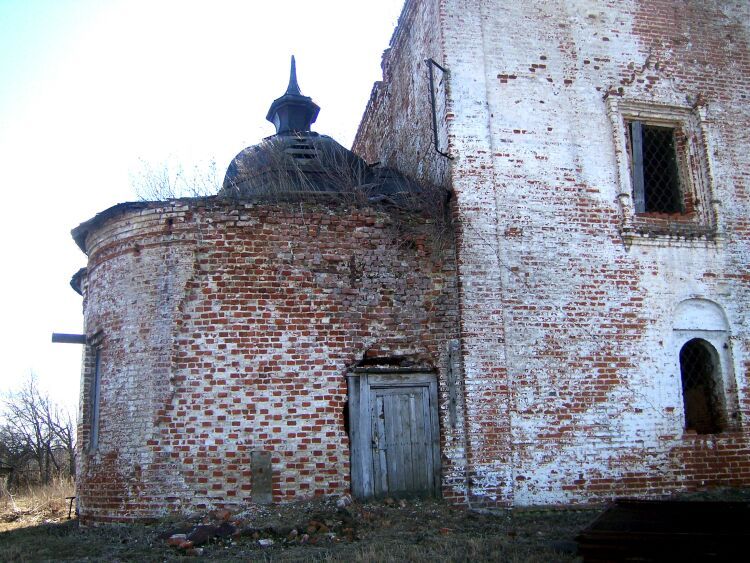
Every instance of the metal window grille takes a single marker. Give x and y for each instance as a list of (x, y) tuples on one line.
[(699, 388), (656, 176)]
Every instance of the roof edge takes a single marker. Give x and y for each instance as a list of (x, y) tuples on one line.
[(81, 232)]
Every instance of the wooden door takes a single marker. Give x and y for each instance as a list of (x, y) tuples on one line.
[(401, 441), (395, 442)]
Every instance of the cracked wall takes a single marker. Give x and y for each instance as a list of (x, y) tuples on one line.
[(567, 297), (228, 329)]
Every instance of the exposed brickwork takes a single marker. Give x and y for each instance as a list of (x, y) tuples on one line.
[(567, 299), (229, 328), (402, 99)]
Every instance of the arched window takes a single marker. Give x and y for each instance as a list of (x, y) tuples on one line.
[(702, 393)]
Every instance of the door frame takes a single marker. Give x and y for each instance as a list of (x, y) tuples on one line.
[(360, 382)]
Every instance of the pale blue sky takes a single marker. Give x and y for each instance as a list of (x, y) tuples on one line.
[(88, 88)]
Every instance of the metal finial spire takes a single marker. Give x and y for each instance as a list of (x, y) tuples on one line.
[(292, 112), (293, 87)]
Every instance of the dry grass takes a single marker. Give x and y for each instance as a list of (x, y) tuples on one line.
[(36, 504), (415, 531)]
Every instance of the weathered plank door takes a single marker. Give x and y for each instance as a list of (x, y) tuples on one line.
[(394, 435)]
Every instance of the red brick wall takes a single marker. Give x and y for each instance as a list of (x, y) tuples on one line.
[(229, 328), (567, 300), (568, 344), (400, 108)]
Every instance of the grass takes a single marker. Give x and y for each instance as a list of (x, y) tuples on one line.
[(36, 504), (34, 527), (37, 529)]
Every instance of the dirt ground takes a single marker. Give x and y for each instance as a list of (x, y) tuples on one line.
[(416, 530)]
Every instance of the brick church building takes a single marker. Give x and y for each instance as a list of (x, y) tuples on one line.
[(526, 283)]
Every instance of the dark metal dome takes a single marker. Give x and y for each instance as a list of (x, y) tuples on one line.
[(298, 161)]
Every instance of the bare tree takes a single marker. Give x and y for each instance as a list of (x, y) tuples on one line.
[(14, 456), (170, 179), (36, 431), (64, 428)]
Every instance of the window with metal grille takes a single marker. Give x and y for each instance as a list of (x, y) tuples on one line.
[(701, 391), (655, 170)]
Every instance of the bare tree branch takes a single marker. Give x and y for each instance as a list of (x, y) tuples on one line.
[(169, 180), (34, 432)]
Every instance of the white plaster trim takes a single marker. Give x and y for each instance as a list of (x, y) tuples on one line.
[(694, 165)]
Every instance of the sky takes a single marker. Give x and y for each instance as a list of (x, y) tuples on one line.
[(92, 89)]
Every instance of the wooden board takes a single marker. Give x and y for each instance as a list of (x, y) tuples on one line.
[(394, 435)]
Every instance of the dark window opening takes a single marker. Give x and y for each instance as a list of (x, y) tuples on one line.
[(345, 414), (701, 391), (94, 402), (656, 175)]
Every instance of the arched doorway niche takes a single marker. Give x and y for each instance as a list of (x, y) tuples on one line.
[(704, 367)]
